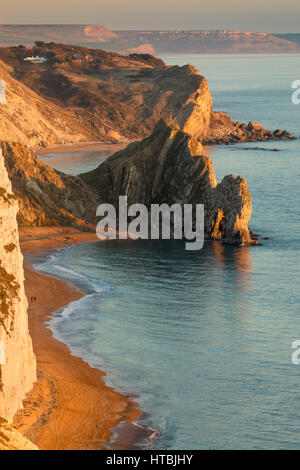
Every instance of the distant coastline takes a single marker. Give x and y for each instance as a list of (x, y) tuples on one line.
[(152, 41)]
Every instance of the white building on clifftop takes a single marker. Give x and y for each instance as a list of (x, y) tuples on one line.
[(36, 60)]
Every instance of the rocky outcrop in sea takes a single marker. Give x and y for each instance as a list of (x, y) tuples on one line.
[(170, 167), (167, 167), (223, 130)]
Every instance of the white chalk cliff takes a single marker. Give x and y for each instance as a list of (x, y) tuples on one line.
[(17, 360)]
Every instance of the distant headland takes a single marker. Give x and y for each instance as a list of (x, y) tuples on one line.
[(152, 42)]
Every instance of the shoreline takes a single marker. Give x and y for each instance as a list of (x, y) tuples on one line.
[(79, 147), (70, 407)]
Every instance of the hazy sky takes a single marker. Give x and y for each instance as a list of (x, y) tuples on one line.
[(253, 15)]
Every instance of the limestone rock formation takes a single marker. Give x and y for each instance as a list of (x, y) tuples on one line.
[(90, 95), (99, 33), (142, 49), (47, 197), (83, 94), (211, 41), (11, 439), (170, 167), (17, 361), (223, 130), (29, 119)]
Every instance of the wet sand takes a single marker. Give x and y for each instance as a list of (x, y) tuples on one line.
[(70, 406)]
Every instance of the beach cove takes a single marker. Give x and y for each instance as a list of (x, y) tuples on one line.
[(222, 319), (70, 407)]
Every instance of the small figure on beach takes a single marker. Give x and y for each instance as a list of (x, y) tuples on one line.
[(68, 240)]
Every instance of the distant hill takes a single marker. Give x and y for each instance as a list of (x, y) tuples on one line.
[(151, 42), (85, 95), (294, 37), (210, 41), (96, 36), (11, 35), (78, 94)]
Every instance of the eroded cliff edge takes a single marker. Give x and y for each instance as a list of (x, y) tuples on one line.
[(167, 167), (17, 360), (47, 197), (83, 94)]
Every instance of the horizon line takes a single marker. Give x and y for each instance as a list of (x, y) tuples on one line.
[(144, 29)]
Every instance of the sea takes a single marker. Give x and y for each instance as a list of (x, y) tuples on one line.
[(203, 340)]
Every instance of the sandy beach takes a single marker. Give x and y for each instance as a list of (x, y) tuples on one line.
[(70, 406), (80, 147)]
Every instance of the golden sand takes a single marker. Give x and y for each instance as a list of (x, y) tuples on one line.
[(70, 406)]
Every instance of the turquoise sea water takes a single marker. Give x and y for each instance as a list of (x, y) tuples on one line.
[(203, 339)]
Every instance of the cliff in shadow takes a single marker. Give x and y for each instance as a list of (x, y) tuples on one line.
[(47, 197), (17, 361), (167, 167), (170, 167)]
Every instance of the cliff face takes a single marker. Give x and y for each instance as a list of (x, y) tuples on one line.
[(97, 96), (83, 95), (211, 41), (17, 361), (11, 439), (32, 120), (47, 197), (223, 130), (169, 167)]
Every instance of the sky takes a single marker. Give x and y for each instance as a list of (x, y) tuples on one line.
[(255, 15)]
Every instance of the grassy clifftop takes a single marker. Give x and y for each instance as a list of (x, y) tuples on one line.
[(82, 95)]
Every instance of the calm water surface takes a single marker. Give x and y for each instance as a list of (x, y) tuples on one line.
[(74, 163), (204, 338)]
